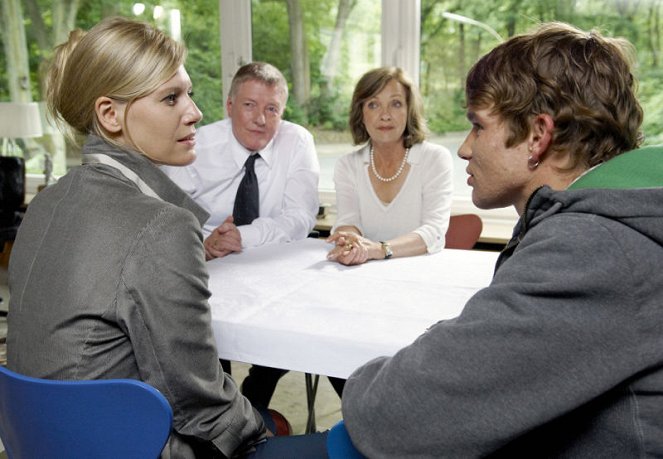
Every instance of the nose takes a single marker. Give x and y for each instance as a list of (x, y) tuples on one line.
[(465, 151), (193, 114), (260, 119), (385, 114)]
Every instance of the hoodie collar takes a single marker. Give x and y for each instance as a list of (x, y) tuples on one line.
[(641, 168)]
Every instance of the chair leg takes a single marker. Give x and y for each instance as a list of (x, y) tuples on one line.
[(311, 392)]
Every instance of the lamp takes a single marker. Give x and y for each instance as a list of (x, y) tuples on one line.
[(18, 121)]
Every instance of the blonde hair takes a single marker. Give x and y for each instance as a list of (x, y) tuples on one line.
[(118, 58), (370, 84)]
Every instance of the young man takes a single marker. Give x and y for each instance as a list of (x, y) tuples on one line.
[(562, 355)]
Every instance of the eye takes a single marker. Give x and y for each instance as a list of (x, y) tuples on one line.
[(273, 110), (191, 93), (170, 99), (372, 105), (397, 104)]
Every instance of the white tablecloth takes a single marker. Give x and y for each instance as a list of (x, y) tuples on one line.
[(286, 306)]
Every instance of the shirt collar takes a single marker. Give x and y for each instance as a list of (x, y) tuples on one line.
[(240, 153)]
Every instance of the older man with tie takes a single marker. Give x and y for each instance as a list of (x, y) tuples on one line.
[(257, 175), (286, 172)]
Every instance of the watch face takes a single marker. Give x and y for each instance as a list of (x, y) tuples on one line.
[(387, 250)]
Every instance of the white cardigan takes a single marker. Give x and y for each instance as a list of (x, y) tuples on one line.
[(422, 206)]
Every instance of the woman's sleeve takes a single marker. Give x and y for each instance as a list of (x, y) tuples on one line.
[(347, 193), (437, 194), (162, 303)]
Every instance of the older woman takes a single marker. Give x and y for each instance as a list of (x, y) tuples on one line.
[(394, 194)]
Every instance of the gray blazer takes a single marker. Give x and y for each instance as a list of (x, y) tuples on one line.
[(108, 280)]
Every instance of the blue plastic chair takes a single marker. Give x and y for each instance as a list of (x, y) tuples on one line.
[(112, 418), (339, 444)]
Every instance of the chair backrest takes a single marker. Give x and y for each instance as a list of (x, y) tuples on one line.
[(113, 418), (464, 231), (339, 444)]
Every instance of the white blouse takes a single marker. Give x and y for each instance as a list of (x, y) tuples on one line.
[(422, 206)]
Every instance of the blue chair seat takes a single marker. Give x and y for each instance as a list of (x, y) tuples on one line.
[(114, 418), (339, 444)]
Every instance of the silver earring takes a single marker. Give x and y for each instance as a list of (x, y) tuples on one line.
[(532, 164)]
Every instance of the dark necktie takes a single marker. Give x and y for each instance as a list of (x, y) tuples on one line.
[(247, 201)]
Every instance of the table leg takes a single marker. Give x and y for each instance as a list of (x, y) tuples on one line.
[(311, 391)]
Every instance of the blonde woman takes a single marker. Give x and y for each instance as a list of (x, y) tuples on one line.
[(108, 276)]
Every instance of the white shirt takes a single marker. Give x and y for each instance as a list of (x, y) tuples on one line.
[(422, 206), (288, 172)]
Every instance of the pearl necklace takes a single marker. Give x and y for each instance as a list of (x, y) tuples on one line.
[(398, 172)]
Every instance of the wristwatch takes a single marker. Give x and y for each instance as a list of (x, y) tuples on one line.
[(386, 248)]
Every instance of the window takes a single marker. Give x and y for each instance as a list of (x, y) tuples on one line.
[(335, 41)]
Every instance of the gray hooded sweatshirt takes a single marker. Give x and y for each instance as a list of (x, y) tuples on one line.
[(560, 356)]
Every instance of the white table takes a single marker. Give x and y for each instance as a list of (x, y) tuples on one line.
[(286, 306)]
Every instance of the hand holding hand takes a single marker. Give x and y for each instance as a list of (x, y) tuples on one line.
[(350, 248), (225, 239)]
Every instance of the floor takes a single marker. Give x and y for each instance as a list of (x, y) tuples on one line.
[(289, 399)]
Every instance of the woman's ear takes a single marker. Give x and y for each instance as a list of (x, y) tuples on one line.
[(110, 114), (541, 136)]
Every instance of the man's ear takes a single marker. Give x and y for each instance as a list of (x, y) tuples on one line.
[(229, 107), (541, 136), (110, 114)]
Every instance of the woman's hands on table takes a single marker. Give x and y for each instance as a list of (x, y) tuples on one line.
[(353, 249)]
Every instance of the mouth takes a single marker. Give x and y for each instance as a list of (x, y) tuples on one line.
[(191, 138), (470, 177)]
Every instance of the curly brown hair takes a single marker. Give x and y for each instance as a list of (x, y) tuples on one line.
[(583, 80)]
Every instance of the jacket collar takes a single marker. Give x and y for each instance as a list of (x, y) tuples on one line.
[(142, 172)]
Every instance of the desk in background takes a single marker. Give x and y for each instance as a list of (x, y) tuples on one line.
[(286, 306)]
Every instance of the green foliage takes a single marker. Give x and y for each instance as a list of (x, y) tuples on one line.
[(4, 85), (293, 112), (445, 112), (448, 48), (271, 36), (329, 110), (200, 32), (651, 97)]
